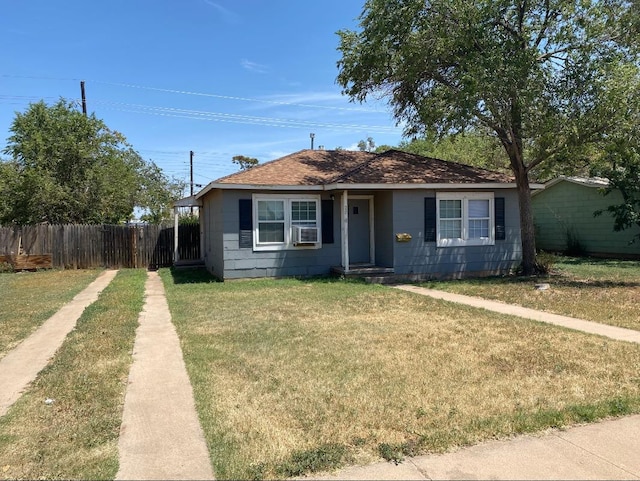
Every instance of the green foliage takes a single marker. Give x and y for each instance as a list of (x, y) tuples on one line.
[(546, 261), (6, 267), (391, 452), (534, 74), (476, 147), (66, 167), (620, 152), (244, 162), (189, 218), (367, 145), (327, 456)]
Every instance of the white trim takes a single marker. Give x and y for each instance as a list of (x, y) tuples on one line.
[(344, 227), (592, 182), (288, 237), (188, 202), (225, 186), (340, 187), (438, 186), (464, 240), (176, 255)]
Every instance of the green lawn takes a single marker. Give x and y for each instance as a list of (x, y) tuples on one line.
[(600, 290), (76, 437), (296, 376), (27, 299)]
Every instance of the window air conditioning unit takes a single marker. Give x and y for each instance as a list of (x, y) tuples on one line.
[(305, 235)]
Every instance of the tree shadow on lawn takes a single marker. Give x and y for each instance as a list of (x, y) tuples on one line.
[(557, 280), (192, 276), (605, 262), (202, 276)]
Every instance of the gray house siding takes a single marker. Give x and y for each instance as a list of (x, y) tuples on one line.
[(213, 231), (421, 258), (395, 212), (246, 263), (563, 213)]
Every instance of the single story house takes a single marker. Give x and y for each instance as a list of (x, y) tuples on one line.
[(563, 214), (315, 212)]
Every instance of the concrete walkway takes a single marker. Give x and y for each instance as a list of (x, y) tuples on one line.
[(617, 333), (23, 363), (160, 436)]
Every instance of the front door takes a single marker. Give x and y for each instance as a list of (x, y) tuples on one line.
[(359, 232)]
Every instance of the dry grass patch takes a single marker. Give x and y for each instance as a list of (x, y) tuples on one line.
[(294, 376), (76, 437), (27, 299), (600, 290)]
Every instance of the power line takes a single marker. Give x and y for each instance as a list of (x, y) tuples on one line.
[(245, 99), (241, 119), (201, 94)]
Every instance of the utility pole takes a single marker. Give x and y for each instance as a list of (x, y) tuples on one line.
[(84, 98), (191, 175)]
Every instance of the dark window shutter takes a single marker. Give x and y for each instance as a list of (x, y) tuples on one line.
[(327, 221), (501, 233), (246, 223), (429, 219)]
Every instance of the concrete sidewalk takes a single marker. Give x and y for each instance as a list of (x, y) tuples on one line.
[(605, 450), (23, 363), (617, 333), (160, 436)]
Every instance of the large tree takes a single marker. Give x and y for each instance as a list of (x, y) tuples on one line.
[(532, 72), (618, 156), (66, 167), (475, 148)]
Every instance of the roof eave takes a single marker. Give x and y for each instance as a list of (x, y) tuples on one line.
[(229, 186), (431, 186), (190, 201), (346, 186)]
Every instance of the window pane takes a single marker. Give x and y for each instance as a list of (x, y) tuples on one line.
[(272, 232), (479, 208), (270, 210), (303, 213), (478, 228), (450, 209), (450, 229)]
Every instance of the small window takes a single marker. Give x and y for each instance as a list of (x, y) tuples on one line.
[(465, 219)]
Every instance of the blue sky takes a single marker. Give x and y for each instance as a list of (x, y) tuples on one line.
[(219, 77)]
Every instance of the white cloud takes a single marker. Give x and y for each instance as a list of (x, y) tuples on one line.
[(253, 66), (226, 14)]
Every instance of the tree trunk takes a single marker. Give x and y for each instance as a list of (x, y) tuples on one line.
[(527, 231)]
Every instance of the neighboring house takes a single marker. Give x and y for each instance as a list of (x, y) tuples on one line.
[(564, 218), (318, 211)]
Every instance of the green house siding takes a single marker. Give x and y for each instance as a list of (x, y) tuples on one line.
[(565, 210)]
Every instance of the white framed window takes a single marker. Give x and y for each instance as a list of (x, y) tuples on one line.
[(286, 222), (465, 218)]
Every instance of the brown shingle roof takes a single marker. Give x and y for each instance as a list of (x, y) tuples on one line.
[(321, 167)]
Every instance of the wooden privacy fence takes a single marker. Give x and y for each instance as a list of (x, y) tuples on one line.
[(112, 246)]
